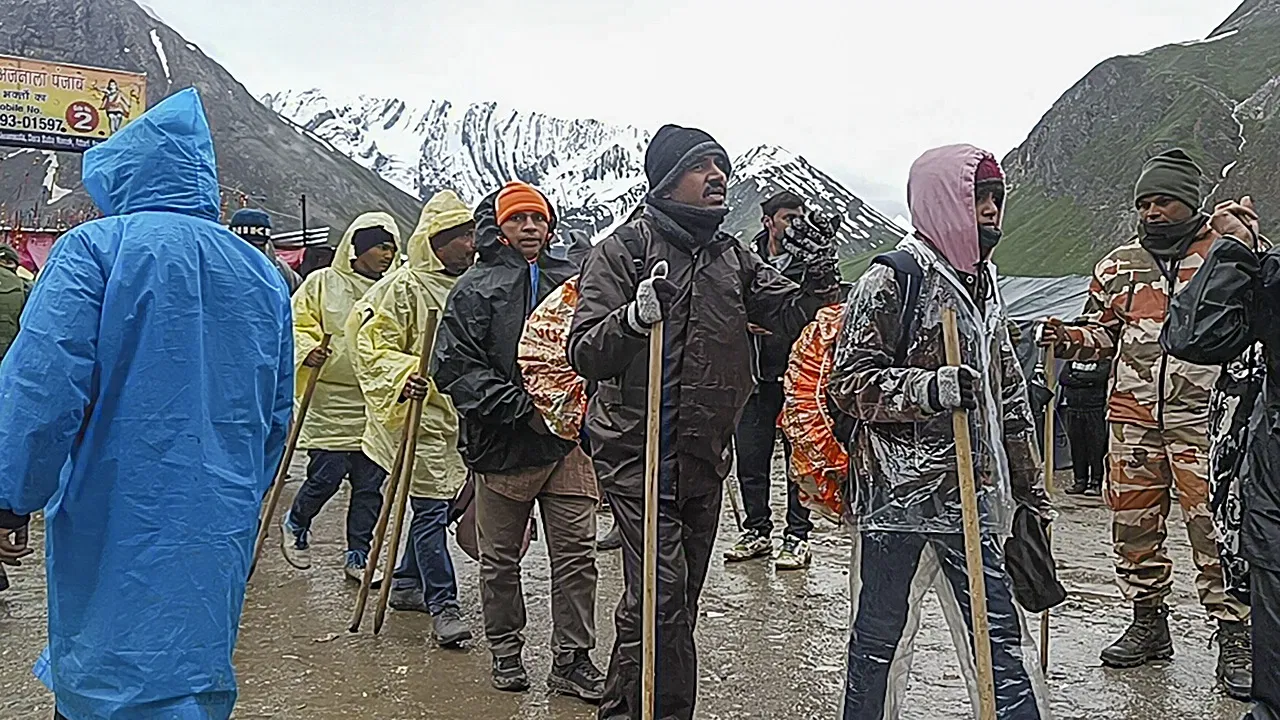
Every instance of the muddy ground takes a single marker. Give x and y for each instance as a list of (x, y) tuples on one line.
[(772, 645)]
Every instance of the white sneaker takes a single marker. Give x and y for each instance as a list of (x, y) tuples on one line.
[(794, 554), (355, 565)]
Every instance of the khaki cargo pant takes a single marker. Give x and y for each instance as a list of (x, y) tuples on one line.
[(1146, 464)]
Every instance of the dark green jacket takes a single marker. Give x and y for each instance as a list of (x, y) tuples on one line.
[(13, 295)]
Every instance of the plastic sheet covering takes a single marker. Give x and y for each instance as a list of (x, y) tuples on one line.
[(818, 459), (903, 457), (558, 392)]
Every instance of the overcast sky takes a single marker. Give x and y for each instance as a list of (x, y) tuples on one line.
[(859, 87)]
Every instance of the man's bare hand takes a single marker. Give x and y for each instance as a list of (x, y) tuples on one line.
[(416, 388), (13, 546), (1237, 219), (317, 357), (1052, 333)]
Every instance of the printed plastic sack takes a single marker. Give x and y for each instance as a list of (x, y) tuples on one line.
[(558, 392), (818, 460)]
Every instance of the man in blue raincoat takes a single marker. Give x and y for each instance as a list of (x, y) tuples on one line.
[(144, 405)]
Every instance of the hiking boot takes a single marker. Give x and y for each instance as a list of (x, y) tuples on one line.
[(509, 674), (1146, 639), (1079, 486), (611, 541), (451, 629), (579, 678), (794, 554), (295, 543), (354, 569), (1235, 653), (407, 599), (750, 545)]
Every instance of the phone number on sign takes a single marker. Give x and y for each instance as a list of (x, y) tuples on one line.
[(28, 122)]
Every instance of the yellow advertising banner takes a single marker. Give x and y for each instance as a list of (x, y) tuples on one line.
[(53, 106)]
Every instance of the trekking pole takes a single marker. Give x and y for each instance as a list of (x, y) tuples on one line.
[(972, 534), (733, 503), (1051, 380), (277, 483), (653, 429), (406, 475)]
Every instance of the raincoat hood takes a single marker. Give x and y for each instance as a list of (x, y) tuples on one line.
[(940, 197), (443, 211), (163, 161), (342, 254), (489, 242)]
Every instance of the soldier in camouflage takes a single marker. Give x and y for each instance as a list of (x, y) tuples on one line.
[(1159, 415)]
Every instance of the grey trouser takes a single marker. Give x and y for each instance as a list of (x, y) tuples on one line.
[(570, 530)]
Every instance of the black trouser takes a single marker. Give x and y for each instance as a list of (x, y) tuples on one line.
[(753, 444), (1266, 650), (1087, 432), (325, 472), (686, 533)]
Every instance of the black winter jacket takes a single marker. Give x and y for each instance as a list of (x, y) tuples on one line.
[(707, 347), (773, 352), (475, 355), (1084, 384)]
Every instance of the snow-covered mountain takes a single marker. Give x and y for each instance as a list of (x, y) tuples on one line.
[(593, 171)]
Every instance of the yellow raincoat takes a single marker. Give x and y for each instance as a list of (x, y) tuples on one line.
[(321, 305), (386, 330)]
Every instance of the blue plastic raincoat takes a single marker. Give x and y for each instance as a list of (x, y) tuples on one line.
[(146, 401)]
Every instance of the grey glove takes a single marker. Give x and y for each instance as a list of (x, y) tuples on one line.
[(953, 388), (654, 297)]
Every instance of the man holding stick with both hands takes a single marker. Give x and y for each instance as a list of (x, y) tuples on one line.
[(715, 287)]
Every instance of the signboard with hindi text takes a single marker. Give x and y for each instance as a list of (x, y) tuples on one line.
[(55, 106)]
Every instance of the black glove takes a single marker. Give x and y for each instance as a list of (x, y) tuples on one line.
[(811, 238), (953, 388)]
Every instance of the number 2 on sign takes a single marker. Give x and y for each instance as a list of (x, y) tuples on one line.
[(82, 117)]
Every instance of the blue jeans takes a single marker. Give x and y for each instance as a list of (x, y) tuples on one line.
[(325, 472), (426, 564)]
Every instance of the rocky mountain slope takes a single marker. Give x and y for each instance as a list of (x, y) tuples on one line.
[(594, 172), (1071, 181), (260, 155)]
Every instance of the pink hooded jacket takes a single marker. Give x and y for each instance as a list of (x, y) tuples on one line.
[(940, 197)]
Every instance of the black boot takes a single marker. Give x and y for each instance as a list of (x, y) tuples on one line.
[(1079, 487), (1235, 652), (1094, 489), (1146, 639)]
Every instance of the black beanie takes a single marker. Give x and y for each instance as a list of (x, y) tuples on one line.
[(365, 239), (1171, 173), (674, 149)]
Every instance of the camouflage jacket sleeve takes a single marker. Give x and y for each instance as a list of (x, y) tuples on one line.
[(1026, 471), (1097, 332), (864, 383)]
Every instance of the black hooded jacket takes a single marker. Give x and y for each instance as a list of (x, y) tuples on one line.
[(773, 351), (1084, 384), (475, 355)]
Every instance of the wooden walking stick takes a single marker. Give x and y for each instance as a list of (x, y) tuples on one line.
[(397, 489), (1050, 380), (972, 534), (648, 696), (277, 484), (406, 474)]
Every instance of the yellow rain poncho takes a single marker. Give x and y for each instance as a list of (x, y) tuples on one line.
[(321, 305), (386, 331)]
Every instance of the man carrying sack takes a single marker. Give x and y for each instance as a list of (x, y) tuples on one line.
[(715, 287), (386, 333), (516, 459), (892, 377)]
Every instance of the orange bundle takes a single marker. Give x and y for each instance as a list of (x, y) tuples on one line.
[(818, 460), (558, 392)]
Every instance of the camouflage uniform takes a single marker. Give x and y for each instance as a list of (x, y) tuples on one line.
[(1159, 410)]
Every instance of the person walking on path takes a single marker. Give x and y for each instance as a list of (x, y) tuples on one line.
[(254, 227), (516, 459), (386, 330), (1084, 401), (1159, 414), (714, 289), (335, 422), (890, 374), (145, 406), (758, 428)]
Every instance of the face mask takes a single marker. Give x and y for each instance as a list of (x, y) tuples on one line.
[(1170, 239), (988, 238)]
